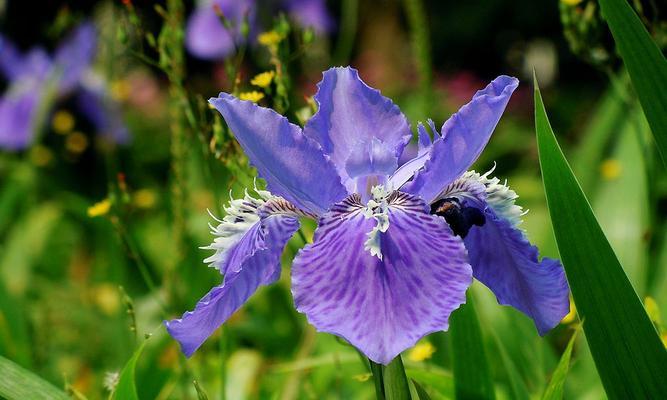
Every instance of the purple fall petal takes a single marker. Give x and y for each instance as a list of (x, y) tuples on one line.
[(464, 136), (10, 59), (74, 56), (504, 261), (382, 307), (352, 114), (18, 112), (292, 164), (261, 266)]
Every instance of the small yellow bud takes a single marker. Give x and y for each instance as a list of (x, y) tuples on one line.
[(421, 352), (610, 169), (100, 208), (270, 38), (120, 90), (62, 122), (76, 142), (264, 79), (106, 298), (362, 377), (253, 96), (571, 2), (144, 198)]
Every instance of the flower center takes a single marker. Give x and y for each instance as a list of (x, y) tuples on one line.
[(377, 208), (459, 217)]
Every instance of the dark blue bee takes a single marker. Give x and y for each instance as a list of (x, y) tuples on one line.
[(459, 217)]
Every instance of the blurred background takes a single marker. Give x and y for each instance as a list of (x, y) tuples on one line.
[(110, 158)]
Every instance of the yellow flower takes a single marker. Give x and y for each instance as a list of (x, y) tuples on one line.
[(106, 298), (76, 142), (270, 38), (253, 96), (62, 122), (99, 208), (610, 169), (144, 198), (571, 316), (362, 377), (120, 89), (571, 2), (41, 156), (264, 79), (421, 352)]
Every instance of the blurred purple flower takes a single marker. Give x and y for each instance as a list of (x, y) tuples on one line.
[(208, 39), (396, 247), (37, 81)]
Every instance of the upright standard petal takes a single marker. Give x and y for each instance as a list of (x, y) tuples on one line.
[(206, 37), (381, 305), (352, 114), (464, 136), (260, 265), (10, 59), (74, 56), (292, 164), (311, 14)]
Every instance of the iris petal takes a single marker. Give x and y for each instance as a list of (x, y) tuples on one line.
[(98, 106), (260, 266), (18, 113), (350, 114), (381, 306), (206, 37), (292, 164), (74, 56), (464, 136), (504, 261)]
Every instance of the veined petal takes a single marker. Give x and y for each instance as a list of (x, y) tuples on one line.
[(504, 261), (381, 306), (350, 114), (292, 164), (260, 266), (74, 56), (464, 136)]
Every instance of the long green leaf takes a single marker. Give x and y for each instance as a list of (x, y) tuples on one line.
[(17, 383), (126, 389), (472, 375), (554, 390), (646, 65), (628, 353)]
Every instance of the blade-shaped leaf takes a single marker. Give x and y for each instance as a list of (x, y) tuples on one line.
[(628, 353), (395, 382), (554, 390), (17, 383), (472, 375), (646, 65), (126, 389)]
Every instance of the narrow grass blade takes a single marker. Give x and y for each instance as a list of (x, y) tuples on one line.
[(554, 390), (628, 353), (17, 383), (126, 389), (646, 65), (472, 375), (421, 392)]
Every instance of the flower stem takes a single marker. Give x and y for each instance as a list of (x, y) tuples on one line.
[(391, 382)]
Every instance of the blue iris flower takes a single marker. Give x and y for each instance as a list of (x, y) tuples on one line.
[(396, 248), (205, 24), (37, 81)]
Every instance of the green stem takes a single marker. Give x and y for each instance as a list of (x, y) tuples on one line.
[(421, 45), (395, 381), (376, 370), (348, 30)]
